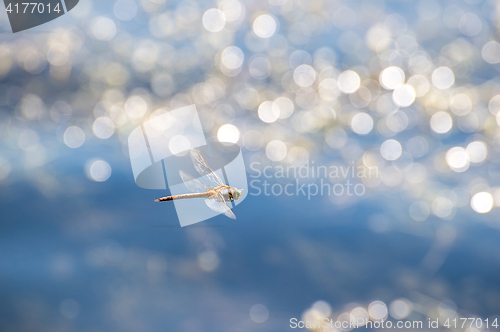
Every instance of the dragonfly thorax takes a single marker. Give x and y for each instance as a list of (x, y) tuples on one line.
[(236, 193), (231, 193)]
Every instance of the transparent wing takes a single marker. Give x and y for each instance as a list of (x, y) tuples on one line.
[(193, 184), (203, 167), (218, 204)]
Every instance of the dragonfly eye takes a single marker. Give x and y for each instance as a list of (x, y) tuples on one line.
[(236, 194)]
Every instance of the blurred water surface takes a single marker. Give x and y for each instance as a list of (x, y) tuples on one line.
[(407, 87)]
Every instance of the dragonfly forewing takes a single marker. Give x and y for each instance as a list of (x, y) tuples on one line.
[(193, 184), (203, 167)]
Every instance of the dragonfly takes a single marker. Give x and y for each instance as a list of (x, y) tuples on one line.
[(215, 195)]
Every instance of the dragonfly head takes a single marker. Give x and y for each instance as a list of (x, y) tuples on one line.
[(236, 193)]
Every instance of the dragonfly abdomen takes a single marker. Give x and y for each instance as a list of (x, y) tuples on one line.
[(183, 196)]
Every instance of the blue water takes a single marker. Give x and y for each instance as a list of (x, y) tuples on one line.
[(284, 253)]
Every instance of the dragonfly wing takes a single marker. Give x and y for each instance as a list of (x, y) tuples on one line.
[(203, 167), (193, 184), (218, 204)]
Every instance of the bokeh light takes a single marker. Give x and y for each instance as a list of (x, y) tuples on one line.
[(482, 202), (304, 75), (264, 26), (400, 308), (228, 133), (391, 149), (74, 137), (443, 78), (441, 122), (404, 95), (99, 170), (276, 150), (214, 20), (103, 127), (104, 28), (232, 57), (362, 123), (377, 310), (179, 144), (392, 77), (269, 111), (477, 152), (349, 81), (285, 106), (259, 313), (458, 159), (491, 52)]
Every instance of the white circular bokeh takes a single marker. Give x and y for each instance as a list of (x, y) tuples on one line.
[(99, 170)]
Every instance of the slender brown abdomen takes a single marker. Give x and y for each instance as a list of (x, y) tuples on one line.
[(184, 196)]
